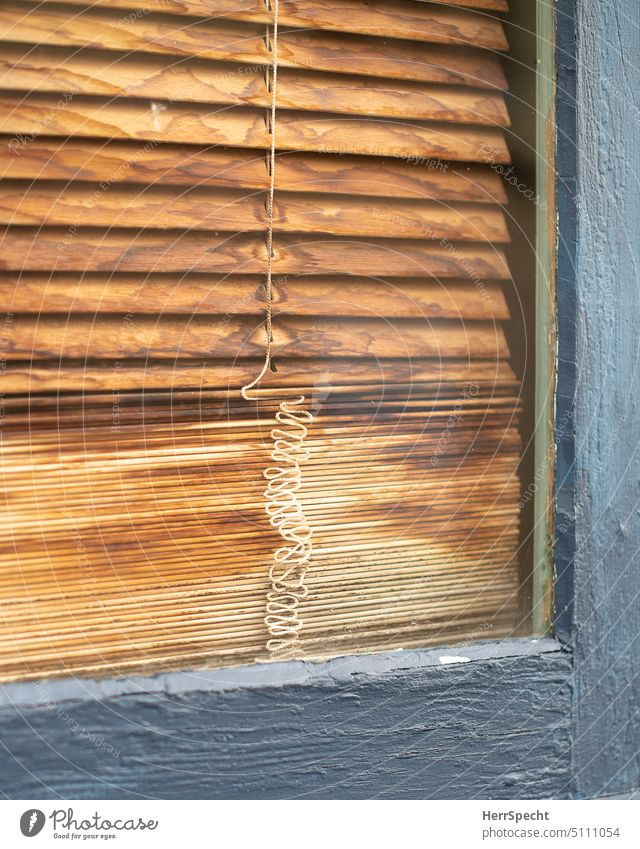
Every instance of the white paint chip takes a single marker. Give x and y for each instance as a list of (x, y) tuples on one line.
[(452, 658), (156, 109)]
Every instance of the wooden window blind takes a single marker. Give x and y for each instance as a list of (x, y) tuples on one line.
[(135, 177)]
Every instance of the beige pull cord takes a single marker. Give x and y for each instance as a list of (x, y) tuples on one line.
[(284, 478)]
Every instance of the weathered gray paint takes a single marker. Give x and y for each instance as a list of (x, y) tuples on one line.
[(519, 719), (398, 725), (607, 407)]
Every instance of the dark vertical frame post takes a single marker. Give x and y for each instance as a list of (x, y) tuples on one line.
[(602, 319), (564, 439)]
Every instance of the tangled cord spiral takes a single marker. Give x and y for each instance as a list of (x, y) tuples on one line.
[(290, 562), (284, 478)]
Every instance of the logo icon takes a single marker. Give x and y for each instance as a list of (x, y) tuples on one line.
[(32, 822)]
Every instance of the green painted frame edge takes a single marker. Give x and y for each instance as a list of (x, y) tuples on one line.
[(545, 365)]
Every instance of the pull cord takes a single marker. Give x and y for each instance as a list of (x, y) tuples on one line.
[(284, 478)]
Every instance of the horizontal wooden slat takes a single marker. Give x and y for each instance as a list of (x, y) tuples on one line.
[(416, 550), (228, 447), (487, 528), (55, 337), (232, 428), (489, 5), (232, 431), (154, 599), (57, 204), (35, 115), (127, 375), (340, 421), (237, 42), (497, 450), (238, 294), (386, 18), (87, 249), (134, 162), (495, 444), (501, 482), (425, 403), (113, 597), (57, 70), (340, 426), (497, 492)]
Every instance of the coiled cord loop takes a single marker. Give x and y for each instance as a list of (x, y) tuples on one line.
[(290, 562)]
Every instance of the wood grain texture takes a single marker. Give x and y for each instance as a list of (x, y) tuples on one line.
[(68, 337), (489, 5), (59, 205), (126, 374), (390, 726), (386, 18), (109, 29), (154, 164), (89, 249), (193, 495), (36, 114), (58, 70), (245, 294)]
